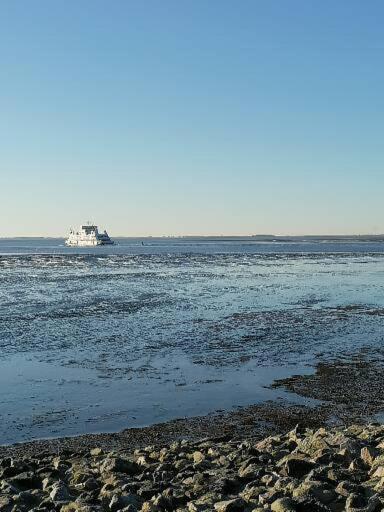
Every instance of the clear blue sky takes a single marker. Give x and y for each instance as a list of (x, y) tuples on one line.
[(192, 117)]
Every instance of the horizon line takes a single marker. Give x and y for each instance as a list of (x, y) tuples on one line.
[(265, 236)]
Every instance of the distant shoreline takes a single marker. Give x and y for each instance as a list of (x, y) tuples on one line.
[(225, 238)]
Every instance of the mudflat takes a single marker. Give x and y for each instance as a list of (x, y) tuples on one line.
[(339, 392)]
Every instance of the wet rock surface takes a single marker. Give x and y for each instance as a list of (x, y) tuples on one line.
[(324, 469)]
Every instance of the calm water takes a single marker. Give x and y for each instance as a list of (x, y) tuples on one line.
[(102, 339)]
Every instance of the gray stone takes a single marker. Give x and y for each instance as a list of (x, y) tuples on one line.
[(26, 481), (121, 501), (368, 454), (60, 493), (119, 465), (319, 490), (283, 505), (234, 505), (297, 467), (250, 472), (358, 503)]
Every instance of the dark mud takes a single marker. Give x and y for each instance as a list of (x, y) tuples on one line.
[(351, 390)]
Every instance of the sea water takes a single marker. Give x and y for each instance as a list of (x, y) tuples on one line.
[(148, 330)]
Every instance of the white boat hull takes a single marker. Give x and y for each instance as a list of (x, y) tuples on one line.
[(88, 236), (87, 243)]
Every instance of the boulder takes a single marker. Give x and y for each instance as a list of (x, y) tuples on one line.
[(368, 455), (283, 505), (119, 465), (358, 503), (297, 467), (319, 490), (96, 452), (119, 502), (60, 493), (235, 505), (198, 457)]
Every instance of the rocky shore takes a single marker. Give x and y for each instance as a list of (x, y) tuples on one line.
[(302, 470)]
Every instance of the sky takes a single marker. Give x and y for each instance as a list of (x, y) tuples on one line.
[(192, 117)]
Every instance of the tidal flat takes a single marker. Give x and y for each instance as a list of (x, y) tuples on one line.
[(174, 331)]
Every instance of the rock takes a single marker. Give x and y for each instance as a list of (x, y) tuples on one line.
[(319, 490), (234, 505), (269, 497), (175, 447), (368, 455), (297, 467), (345, 488), (379, 472), (357, 503), (225, 485), (336, 474), (268, 444), (148, 490), (207, 501), (377, 461), (119, 502), (60, 493), (60, 464), (252, 491), (319, 473), (350, 449), (6, 462), (283, 505), (25, 481), (119, 465), (28, 499), (323, 457), (90, 484), (312, 445), (6, 503), (79, 475), (96, 452), (162, 502), (148, 506), (154, 455), (192, 507), (15, 468), (310, 504), (142, 460), (198, 457), (286, 484), (76, 507), (328, 470), (250, 472)]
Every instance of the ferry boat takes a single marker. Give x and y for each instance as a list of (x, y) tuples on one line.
[(88, 236)]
